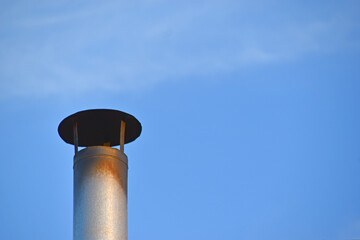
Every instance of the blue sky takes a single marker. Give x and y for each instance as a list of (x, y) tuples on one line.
[(249, 111)]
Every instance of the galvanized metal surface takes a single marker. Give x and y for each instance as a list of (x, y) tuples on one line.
[(100, 194)]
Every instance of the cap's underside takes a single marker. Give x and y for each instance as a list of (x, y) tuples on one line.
[(98, 127)]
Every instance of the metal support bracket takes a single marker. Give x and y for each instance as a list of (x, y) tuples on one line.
[(76, 139), (122, 136)]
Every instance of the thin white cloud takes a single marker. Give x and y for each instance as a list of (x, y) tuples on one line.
[(120, 46)]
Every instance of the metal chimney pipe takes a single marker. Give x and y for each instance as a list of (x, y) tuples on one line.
[(100, 194), (100, 171)]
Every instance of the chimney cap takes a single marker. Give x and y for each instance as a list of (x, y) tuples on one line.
[(99, 126)]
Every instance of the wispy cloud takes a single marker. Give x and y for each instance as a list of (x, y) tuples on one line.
[(119, 46)]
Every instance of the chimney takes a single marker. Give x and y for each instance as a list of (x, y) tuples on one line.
[(100, 171)]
